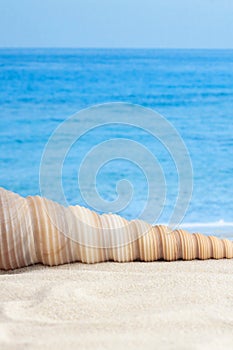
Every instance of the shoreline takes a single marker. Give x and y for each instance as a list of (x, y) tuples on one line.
[(219, 229)]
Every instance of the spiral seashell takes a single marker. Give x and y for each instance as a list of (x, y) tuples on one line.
[(37, 230)]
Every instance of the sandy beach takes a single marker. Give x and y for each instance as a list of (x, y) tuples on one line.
[(177, 305)]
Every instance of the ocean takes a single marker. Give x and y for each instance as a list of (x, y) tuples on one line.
[(191, 89)]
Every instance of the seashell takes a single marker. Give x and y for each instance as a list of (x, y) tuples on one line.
[(37, 230)]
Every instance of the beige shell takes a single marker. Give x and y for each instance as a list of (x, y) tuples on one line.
[(37, 230)]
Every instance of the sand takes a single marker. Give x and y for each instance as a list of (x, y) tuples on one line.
[(160, 305)]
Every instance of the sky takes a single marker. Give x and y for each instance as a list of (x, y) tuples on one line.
[(117, 23)]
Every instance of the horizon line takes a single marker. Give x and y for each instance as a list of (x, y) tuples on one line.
[(111, 48)]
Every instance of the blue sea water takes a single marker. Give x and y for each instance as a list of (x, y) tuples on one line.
[(192, 89)]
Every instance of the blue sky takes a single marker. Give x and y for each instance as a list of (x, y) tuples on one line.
[(117, 23)]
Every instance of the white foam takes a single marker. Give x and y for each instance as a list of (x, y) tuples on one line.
[(220, 223), (219, 228)]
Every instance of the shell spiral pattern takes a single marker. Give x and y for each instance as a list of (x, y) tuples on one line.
[(37, 230)]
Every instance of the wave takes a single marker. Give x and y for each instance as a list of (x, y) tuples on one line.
[(220, 223), (221, 228)]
